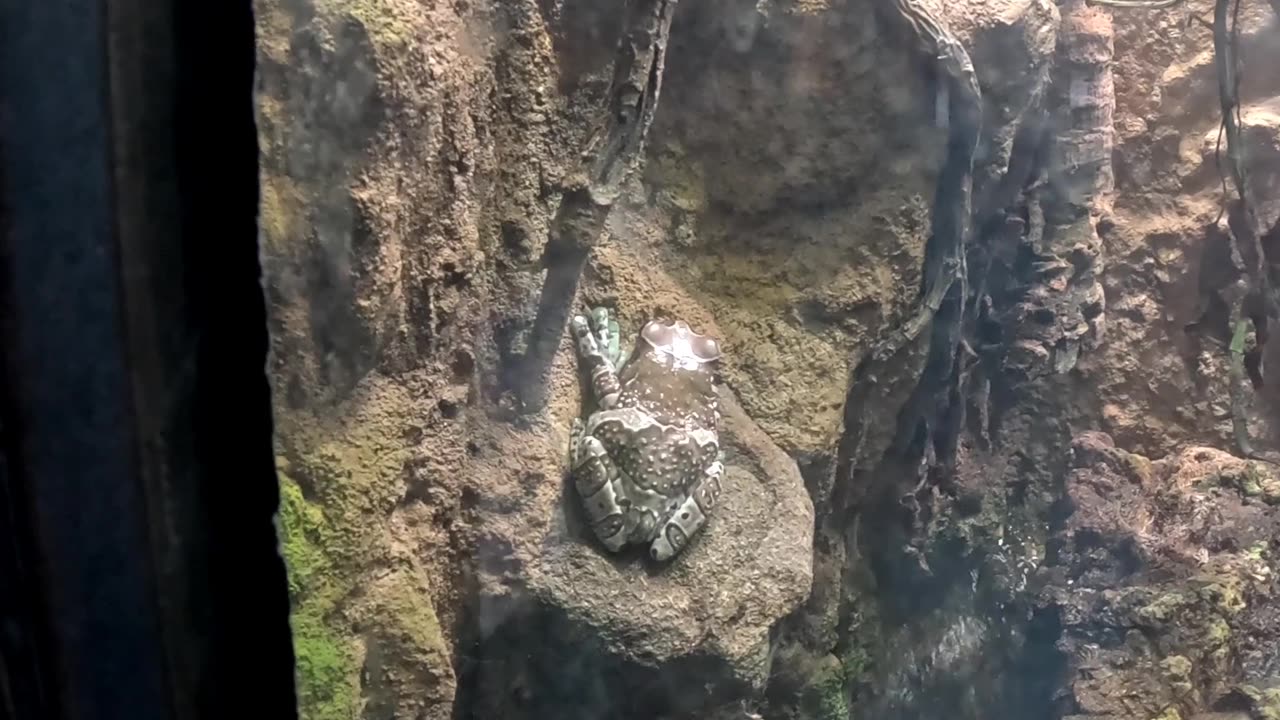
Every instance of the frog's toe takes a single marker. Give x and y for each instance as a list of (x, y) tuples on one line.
[(600, 319), (611, 532), (669, 543)]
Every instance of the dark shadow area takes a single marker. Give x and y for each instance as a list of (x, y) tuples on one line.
[(137, 480), (534, 664)]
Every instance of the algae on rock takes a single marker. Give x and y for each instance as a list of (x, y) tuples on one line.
[(327, 670)]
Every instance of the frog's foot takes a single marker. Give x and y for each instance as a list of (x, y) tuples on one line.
[(604, 376), (576, 431), (605, 327), (689, 518), (592, 471)]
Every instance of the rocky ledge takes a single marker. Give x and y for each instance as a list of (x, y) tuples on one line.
[(618, 626)]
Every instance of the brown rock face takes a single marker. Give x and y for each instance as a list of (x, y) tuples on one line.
[(414, 158), (1163, 579), (1160, 383)]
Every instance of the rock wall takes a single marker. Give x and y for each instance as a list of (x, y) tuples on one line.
[(414, 155)]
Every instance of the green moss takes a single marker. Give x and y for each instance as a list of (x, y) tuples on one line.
[(1268, 707), (279, 210), (1264, 704), (1257, 552), (1224, 594), (351, 464), (1169, 714), (303, 528), (1177, 674), (406, 614), (1164, 608), (1138, 467), (856, 661), (355, 480), (1271, 491), (1248, 479), (826, 695), (678, 180), (327, 669), (386, 24), (1217, 633)]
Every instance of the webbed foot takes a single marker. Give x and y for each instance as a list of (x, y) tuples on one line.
[(604, 376), (605, 327), (689, 518)]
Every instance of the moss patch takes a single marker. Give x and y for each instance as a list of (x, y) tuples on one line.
[(279, 209), (678, 179), (387, 22), (327, 673), (351, 466), (826, 695), (327, 669), (1264, 704), (411, 619), (411, 665)]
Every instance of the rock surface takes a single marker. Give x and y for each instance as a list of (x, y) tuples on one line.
[(1158, 384), (751, 565), (413, 157), (1164, 578)]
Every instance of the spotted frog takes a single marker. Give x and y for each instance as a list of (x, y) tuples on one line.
[(648, 462)]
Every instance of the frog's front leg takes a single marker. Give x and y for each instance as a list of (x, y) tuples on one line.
[(604, 376), (690, 516), (608, 337), (595, 478)]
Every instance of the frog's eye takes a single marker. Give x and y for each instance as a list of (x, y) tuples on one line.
[(657, 334), (706, 349)]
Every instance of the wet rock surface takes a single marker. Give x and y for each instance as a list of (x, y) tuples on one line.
[(1164, 579)]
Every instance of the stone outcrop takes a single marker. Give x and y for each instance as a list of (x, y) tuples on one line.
[(1063, 312), (1158, 382), (1163, 577), (699, 627), (752, 566)]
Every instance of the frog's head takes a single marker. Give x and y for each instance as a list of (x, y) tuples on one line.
[(686, 348)]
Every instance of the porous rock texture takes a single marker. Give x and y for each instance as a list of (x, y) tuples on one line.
[(746, 570), (1163, 579), (413, 158)]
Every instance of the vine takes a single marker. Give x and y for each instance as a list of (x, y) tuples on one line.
[(943, 287), (611, 151)]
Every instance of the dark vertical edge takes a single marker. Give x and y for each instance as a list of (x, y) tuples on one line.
[(69, 422), (137, 479), (217, 170)]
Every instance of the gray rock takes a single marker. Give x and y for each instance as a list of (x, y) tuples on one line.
[(751, 565)]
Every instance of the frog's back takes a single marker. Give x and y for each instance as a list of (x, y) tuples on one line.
[(673, 396)]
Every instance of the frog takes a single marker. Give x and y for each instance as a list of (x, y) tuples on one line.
[(647, 464)]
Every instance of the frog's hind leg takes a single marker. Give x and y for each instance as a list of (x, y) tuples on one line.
[(604, 375), (689, 518), (593, 477)]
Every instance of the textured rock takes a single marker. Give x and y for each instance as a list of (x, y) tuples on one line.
[(413, 156), (1164, 578), (1159, 383), (751, 565), (567, 629), (1062, 313), (809, 245)]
